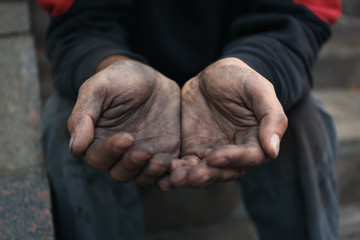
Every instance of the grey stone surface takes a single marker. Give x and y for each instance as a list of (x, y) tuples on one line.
[(351, 7), (344, 106), (338, 64), (337, 72), (24, 191), (350, 222), (25, 207), (14, 17), (19, 105)]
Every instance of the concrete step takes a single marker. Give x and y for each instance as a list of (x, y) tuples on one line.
[(25, 210), (338, 61), (350, 222), (351, 7), (344, 105)]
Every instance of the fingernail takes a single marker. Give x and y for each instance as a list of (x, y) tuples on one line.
[(275, 143), (128, 136), (194, 161), (71, 142), (140, 157), (164, 184), (176, 164), (206, 178)]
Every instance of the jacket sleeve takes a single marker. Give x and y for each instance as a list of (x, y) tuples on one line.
[(83, 34), (280, 39)]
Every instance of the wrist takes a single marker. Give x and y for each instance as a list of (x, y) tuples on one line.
[(110, 60)]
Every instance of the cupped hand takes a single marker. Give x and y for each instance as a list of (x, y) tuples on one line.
[(232, 122), (126, 120)]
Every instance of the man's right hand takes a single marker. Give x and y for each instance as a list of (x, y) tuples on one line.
[(126, 120)]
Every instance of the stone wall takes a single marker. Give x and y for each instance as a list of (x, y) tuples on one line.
[(24, 192)]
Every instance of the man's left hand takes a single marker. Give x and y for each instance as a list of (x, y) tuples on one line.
[(232, 122)]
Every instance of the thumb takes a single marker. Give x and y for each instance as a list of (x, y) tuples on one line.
[(83, 118), (272, 128), (270, 114)]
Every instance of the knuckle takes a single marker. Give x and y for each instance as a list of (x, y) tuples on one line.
[(199, 178), (283, 120), (179, 178), (69, 123), (134, 164), (95, 164), (158, 167), (269, 85), (236, 175), (254, 163), (229, 175)]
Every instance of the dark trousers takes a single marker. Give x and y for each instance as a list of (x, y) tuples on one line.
[(291, 197)]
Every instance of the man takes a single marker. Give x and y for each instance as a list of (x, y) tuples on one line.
[(239, 65)]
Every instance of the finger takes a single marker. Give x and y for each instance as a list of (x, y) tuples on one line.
[(158, 166), (241, 157), (178, 177), (270, 114), (196, 145), (272, 128), (203, 176), (178, 163), (103, 155), (132, 162), (82, 120), (191, 160), (179, 170), (164, 183), (185, 161)]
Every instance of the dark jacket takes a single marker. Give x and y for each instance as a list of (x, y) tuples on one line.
[(280, 39)]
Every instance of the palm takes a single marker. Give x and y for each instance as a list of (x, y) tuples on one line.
[(147, 107), (216, 113)]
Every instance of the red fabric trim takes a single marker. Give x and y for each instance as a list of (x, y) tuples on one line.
[(327, 10), (55, 7)]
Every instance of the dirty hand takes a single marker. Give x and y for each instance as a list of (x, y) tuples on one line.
[(232, 121), (126, 120)]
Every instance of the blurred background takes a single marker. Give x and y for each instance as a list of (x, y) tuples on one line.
[(217, 213)]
